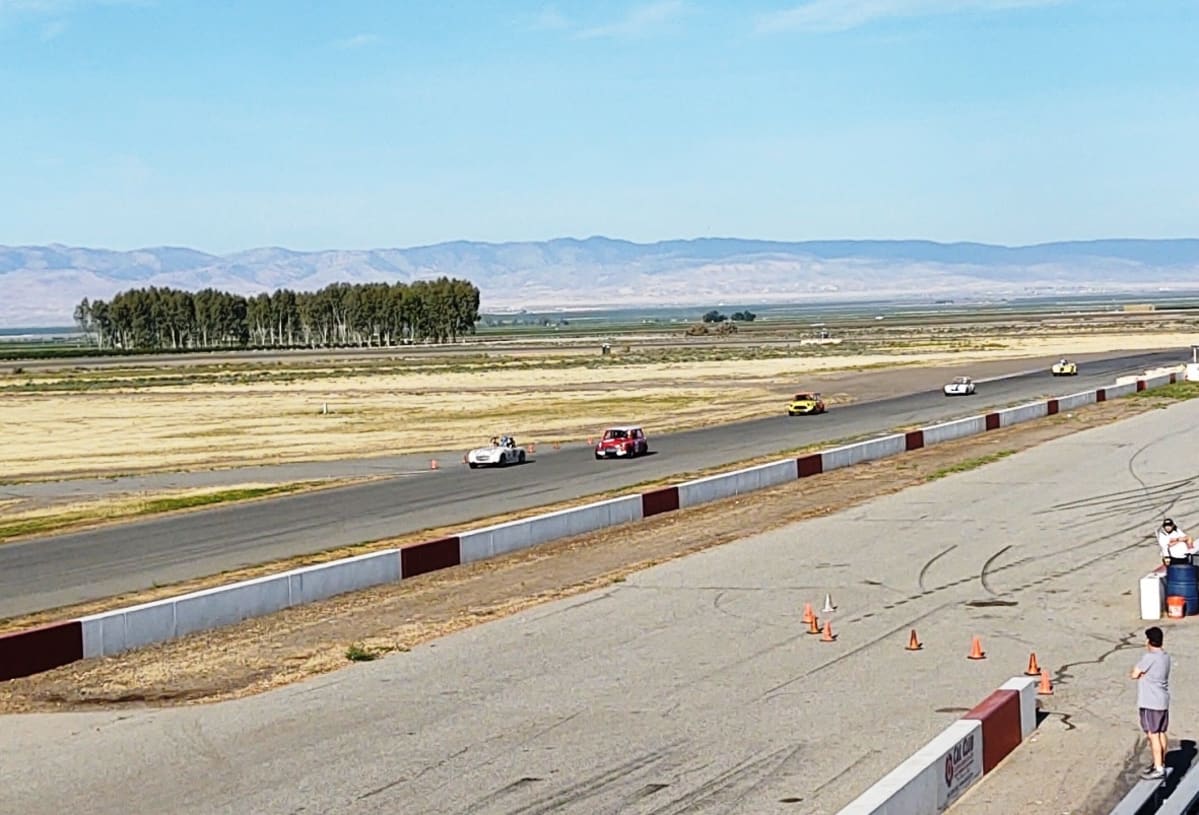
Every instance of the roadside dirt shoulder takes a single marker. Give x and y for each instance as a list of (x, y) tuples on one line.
[(301, 642)]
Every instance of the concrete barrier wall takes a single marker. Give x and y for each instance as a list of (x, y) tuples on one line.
[(213, 608), (1023, 413), (726, 485), (933, 778), (34, 650), (512, 537), (939, 773), (1026, 688), (1075, 400), (960, 429), (325, 580), (1125, 389), (872, 450), (123, 629)]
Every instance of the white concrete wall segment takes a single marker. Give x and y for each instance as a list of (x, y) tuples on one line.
[(324, 580), (123, 629), (480, 544), (933, 778), (1075, 400), (726, 485), (226, 605), (959, 429), (1124, 389), (850, 454), (1023, 413), (1026, 686)]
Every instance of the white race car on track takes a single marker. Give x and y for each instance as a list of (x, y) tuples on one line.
[(500, 453), (960, 386)]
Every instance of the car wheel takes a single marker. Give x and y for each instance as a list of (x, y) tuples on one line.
[(520, 459), (473, 466)]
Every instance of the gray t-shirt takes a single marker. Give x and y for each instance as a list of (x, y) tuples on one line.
[(1153, 689)]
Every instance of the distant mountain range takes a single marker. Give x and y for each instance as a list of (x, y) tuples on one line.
[(40, 285)]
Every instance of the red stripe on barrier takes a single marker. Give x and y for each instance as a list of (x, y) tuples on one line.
[(913, 440), (1173, 379), (999, 714), (1101, 395), (659, 501), (1140, 384), (992, 421), (34, 650), (1051, 407), (810, 465), (429, 556)]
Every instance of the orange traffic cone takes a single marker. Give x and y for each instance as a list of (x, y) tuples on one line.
[(1033, 668), (976, 650), (557, 446), (914, 643), (808, 616), (533, 447), (466, 458), (433, 464), (828, 635), (813, 626), (1046, 688)]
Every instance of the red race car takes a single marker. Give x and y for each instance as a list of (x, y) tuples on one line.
[(625, 441)]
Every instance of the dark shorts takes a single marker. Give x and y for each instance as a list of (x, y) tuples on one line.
[(1154, 721)]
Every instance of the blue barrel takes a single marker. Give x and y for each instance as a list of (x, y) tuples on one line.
[(1181, 582)]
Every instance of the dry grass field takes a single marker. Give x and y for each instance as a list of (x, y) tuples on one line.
[(118, 421)]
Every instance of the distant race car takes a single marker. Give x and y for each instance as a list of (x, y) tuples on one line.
[(625, 441), (500, 453), (1065, 368), (805, 404), (960, 386)]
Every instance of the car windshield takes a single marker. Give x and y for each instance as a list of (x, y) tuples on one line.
[(803, 397), (962, 380), (615, 434)]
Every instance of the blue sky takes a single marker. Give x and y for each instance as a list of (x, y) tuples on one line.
[(228, 124)]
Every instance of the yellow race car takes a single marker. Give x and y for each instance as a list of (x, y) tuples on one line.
[(805, 404), (1065, 368)]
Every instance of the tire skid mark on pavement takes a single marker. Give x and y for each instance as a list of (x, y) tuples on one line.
[(722, 789), (982, 575), (929, 563)]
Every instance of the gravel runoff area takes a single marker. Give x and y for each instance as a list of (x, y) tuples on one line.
[(689, 686)]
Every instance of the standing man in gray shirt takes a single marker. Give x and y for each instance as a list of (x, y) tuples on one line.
[(1152, 673)]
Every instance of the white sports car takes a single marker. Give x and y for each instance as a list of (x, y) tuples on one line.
[(501, 452), (960, 386)]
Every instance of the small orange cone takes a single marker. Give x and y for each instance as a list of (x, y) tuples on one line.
[(433, 464), (557, 446), (1033, 668), (466, 458), (976, 650), (808, 616), (813, 626), (914, 643), (828, 635), (533, 447), (1046, 688)]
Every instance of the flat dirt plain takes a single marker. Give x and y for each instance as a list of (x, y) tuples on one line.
[(98, 423), (268, 652)]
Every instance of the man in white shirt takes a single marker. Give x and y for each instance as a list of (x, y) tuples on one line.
[(1175, 544)]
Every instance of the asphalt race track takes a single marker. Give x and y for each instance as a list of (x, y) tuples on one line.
[(692, 687), (59, 570)]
